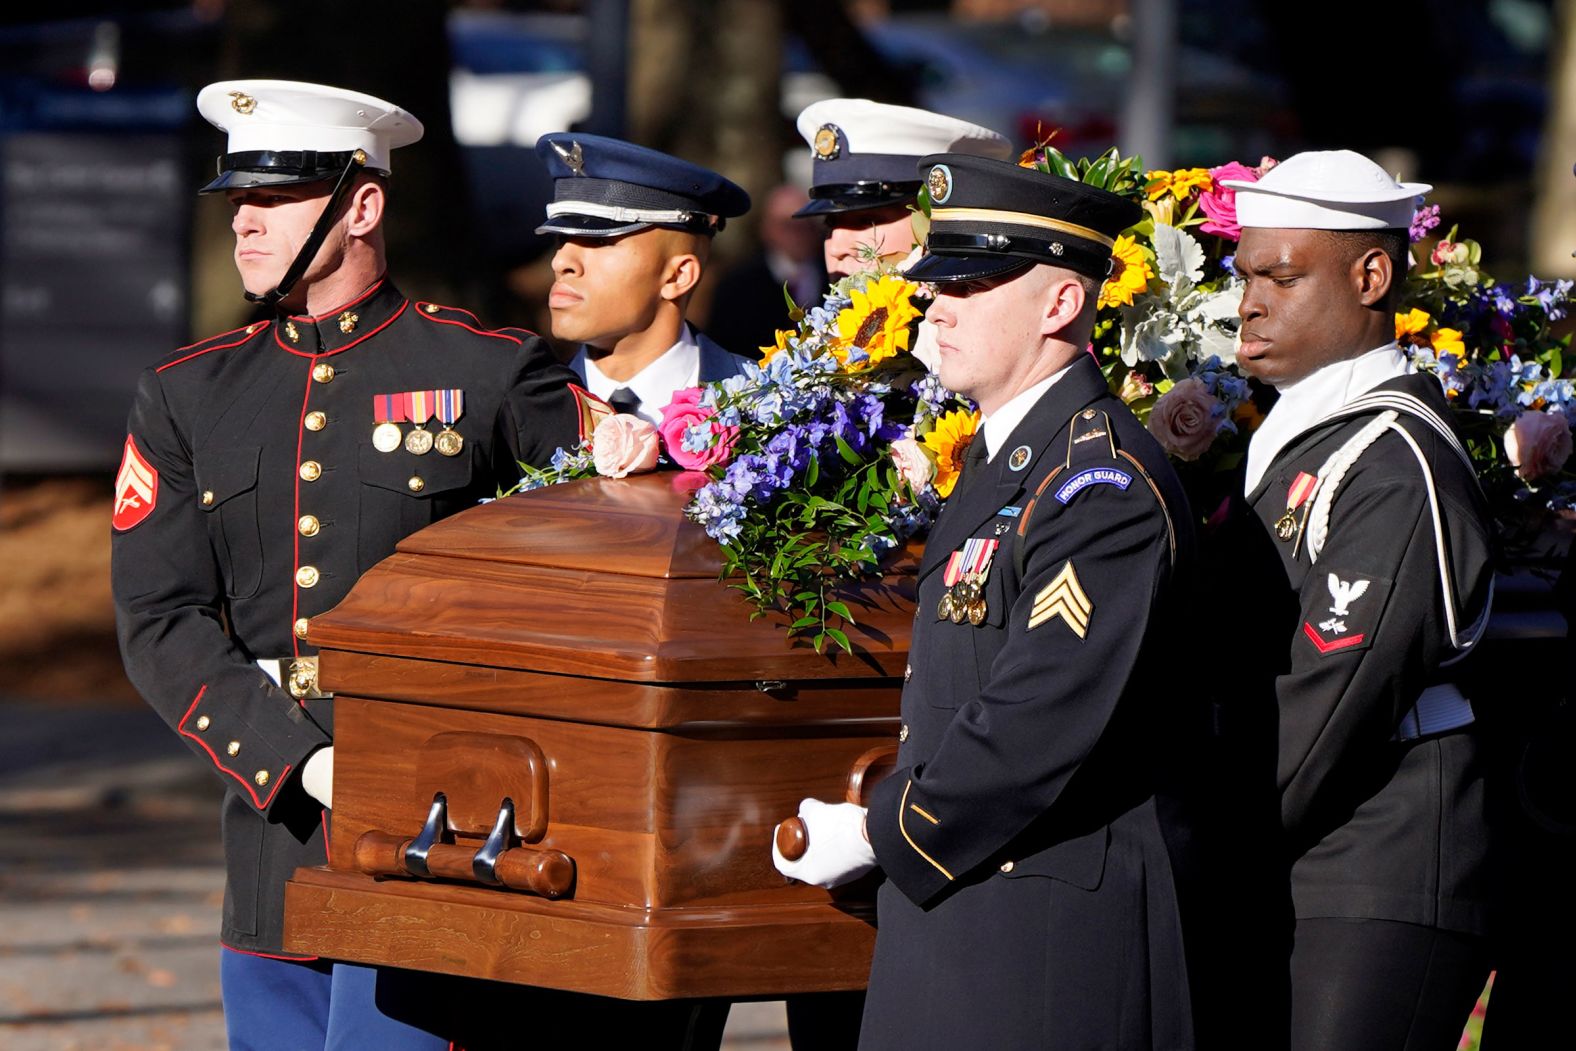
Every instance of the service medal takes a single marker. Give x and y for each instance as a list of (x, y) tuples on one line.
[(960, 609), (451, 403), (977, 612), (419, 441), (388, 411), (1302, 488), (944, 607), (1286, 526), (386, 437)]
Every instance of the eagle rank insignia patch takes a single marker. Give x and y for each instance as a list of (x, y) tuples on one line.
[(136, 488), (1342, 614), (1063, 597)]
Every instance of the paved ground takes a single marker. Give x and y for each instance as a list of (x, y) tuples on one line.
[(110, 886)]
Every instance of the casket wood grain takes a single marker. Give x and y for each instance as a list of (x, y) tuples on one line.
[(572, 650)]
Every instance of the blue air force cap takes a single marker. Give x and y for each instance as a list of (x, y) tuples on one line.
[(864, 152), (607, 188), (990, 217)]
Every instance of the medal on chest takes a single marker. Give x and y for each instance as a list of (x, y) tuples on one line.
[(451, 403), (1301, 490), (419, 441), (388, 412), (964, 577)]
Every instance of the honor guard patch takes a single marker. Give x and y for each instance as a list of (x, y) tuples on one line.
[(136, 488), (1092, 476), (1063, 597)]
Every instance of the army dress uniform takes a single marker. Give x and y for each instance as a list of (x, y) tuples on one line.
[(1030, 836), (266, 500)]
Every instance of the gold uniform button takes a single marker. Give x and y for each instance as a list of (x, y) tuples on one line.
[(1007, 866), (261, 777), (234, 748), (431, 308), (308, 525), (902, 733), (416, 484), (300, 627), (203, 722), (323, 372), (316, 421), (311, 471), (207, 497), (307, 576)]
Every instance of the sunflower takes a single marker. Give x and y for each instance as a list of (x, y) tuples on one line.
[(878, 320), (1178, 184), (1448, 341), (949, 442), (1130, 274), (1411, 323), (783, 336)]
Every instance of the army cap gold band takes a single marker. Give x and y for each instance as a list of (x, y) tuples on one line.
[(993, 215)]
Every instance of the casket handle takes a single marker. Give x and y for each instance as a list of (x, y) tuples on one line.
[(549, 873), (869, 770)]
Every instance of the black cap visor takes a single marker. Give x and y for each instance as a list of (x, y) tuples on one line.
[(946, 269)]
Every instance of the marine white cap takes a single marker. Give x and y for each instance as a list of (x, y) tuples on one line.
[(287, 115), (1327, 190)]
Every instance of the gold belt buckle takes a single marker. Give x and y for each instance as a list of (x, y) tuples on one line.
[(302, 678)]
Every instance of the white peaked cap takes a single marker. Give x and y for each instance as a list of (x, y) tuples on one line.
[(291, 115), (1327, 190), (877, 128)]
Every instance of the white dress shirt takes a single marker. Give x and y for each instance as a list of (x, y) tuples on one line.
[(1315, 396), (999, 425), (654, 385)]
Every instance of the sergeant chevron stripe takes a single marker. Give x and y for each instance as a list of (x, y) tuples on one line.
[(1063, 597)]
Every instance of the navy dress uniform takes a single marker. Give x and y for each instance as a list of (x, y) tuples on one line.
[(1031, 837), (1367, 554), (265, 470), (604, 189)]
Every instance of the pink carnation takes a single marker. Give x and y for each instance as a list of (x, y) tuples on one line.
[(1220, 202), (623, 444), (1538, 444), (1186, 419), (686, 411)]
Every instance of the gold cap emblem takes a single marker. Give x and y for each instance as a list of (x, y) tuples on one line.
[(347, 322), (292, 333), (242, 103), (939, 183), (826, 144)]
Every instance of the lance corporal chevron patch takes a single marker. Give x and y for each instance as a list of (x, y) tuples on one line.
[(136, 488), (1063, 597)]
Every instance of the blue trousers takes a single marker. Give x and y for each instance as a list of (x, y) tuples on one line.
[(289, 1005)]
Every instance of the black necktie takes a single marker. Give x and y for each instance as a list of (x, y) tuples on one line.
[(624, 400), (973, 463)]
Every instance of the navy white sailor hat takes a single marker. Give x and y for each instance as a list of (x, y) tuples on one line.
[(286, 131), (991, 217), (864, 152), (607, 188), (1327, 190)]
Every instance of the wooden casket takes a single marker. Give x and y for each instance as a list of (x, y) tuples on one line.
[(572, 651)]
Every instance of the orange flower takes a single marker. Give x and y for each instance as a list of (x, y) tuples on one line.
[(950, 442), (1448, 341), (1411, 323)]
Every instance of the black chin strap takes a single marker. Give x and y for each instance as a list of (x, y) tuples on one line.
[(314, 240)]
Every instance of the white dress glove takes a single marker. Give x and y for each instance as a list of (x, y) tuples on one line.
[(317, 776), (838, 850)]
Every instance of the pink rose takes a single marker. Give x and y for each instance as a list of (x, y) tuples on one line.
[(623, 444), (1538, 444), (912, 464), (1220, 202), (684, 412), (1186, 419)]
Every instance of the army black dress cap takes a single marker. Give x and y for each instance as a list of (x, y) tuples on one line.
[(990, 217), (863, 152), (606, 187), (283, 132)]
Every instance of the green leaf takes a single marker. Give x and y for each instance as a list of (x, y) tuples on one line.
[(839, 637), (812, 472), (846, 451), (841, 609)]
